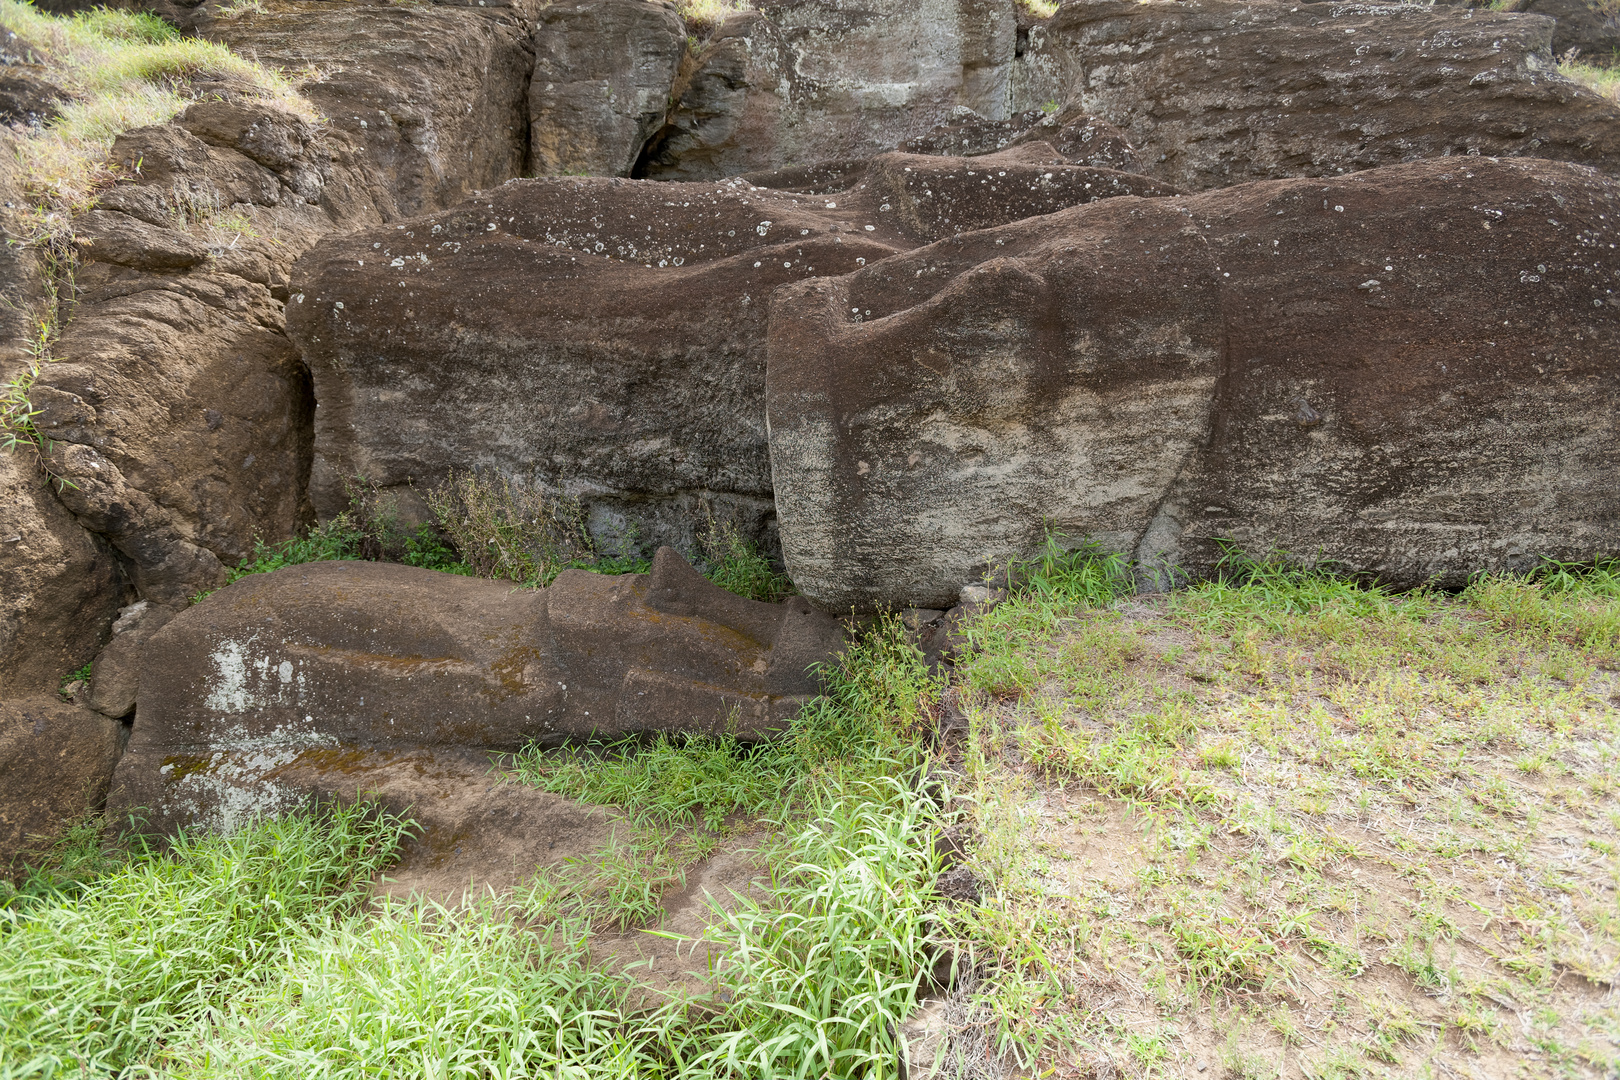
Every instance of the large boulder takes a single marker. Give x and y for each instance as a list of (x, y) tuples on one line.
[(603, 70), (351, 664), (800, 81), (56, 761), (604, 337), (1411, 371), (1219, 92), (1587, 30)]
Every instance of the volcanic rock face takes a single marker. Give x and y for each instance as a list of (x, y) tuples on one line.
[(1081, 139), (1271, 90), (1586, 30), (603, 70), (1409, 370), (800, 81), (179, 413), (435, 97), (366, 661), (606, 337), (56, 760), (59, 585)]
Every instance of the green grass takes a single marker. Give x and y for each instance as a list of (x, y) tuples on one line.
[(100, 977), (416, 991), (821, 973), (1224, 798), (1603, 80), (868, 721), (1234, 807), (737, 565), (124, 70)]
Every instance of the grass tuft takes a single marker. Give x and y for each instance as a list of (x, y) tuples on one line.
[(737, 565), (875, 704)]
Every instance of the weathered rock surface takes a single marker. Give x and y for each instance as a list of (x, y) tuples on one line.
[(55, 763), (178, 410), (28, 98), (801, 81), (1219, 92), (115, 679), (603, 70), (1585, 31), (1410, 370), (434, 96), (59, 586), (605, 337), (344, 661), (1081, 139)]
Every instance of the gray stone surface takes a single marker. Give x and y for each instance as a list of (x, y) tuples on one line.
[(605, 338), (801, 81), (435, 97)]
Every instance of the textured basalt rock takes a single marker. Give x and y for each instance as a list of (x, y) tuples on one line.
[(372, 661), (1586, 31), (178, 411), (1081, 139), (603, 70), (59, 585), (435, 97), (800, 81), (56, 761), (1218, 92), (1410, 371), (605, 337), (115, 678)]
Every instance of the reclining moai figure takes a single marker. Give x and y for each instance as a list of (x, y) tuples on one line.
[(279, 686)]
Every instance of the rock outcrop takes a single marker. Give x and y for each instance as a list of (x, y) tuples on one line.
[(1081, 139), (1218, 92), (178, 412), (606, 337), (435, 97), (363, 662), (115, 679), (1587, 31), (1411, 371), (56, 761), (800, 81), (59, 585), (603, 70)]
